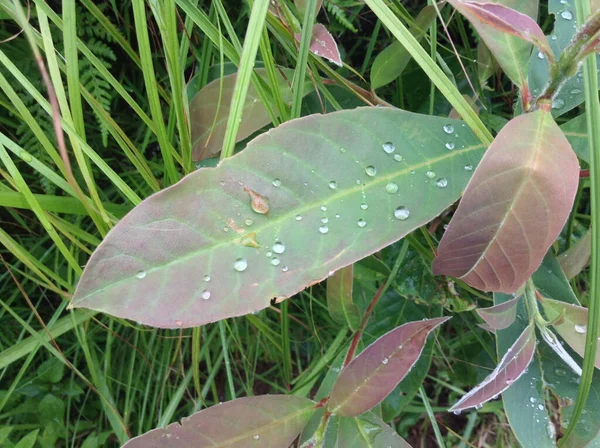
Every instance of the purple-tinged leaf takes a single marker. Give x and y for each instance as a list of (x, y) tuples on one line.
[(188, 255), (570, 322), (529, 175), (377, 370), (501, 316), (507, 32), (267, 420), (322, 44), (368, 430), (574, 260), (339, 298), (512, 366)]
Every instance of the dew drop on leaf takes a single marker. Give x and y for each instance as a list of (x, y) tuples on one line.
[(140, 274), (450, 146), (384, 361), (391, 188), (469, 167), (324, 220), (532, 399), (442, 182), (371, 170), (205, 294), (448, 129), (284, 269), (206, 278), (361, 223), (256, 437), (333, 184), (275, 261), (580, 329), (178, 323), (323, 208), (541, 407), (324, 229), (277, 183), (364, 206), (567, 15), (541, 55), (278, 248), (298, 217), (398, 158), (558, 103), (248, 222), (389, 147), (240, 264), (430, 174), (401, 213)]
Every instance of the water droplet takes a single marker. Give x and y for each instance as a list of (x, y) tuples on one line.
[(560, 372), (384, 361), (248, 222), (553, 37), (205, 294), (450, 146), (343, 150), (323, 208), (567, 15), (580, 329), (240, 264), (333, 184), (337, 215), (364, 206), (401, 213), (442, 182), (206, 278), (298, 217), (469, 167), (389, 147), (371, 170), (391, 188), (448, 129), (256, 437), (361, 223), (478, 406), (558, 103), (575, 91), (430, 174), (275, 261), (25, 156), (277, 183), (398, 158), (140, 274), (284, 269), (178, 323), (541, 407), (278, 248), (541, 55), (323, 229), (532, 399), (324, 220), (222, 183), (456, 412)]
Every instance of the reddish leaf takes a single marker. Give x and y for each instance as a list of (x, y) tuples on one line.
[(373, 374), (513, 208), (339, 298), (322, 44), (571, 324), (500, 316), (267, 420), (574, 260), (512, 366)]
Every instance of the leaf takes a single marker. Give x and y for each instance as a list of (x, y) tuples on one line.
[(339, 298), (368, 430), (576, 132), (486, 64), (571, 324), (266, 420), (29, 440), (524, 400), (511, 367), (528, 175), (373, 374), (322, 44), (391, 62), (507, 32), (575, 260), (301, 6), (500, 316), (177, 259), (550, 280)]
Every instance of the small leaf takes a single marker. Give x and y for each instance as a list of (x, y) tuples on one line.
[(339, 298), (28, 441), (376, 371), (499, 317), (574, 260), (512, 366), (486, 63), (528, 175), (322, 44), (391, 62), (508, 34), (576, 132), (267, 420), (571, 324), (177, 260), (368, 430)]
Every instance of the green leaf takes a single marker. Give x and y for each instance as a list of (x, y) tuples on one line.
[(524, 401), (550, 280), (266, 420), (368, 431), (377, 370), (499, 317), (532, 175), (51, 409), (51, 371), (574, 260), (391, 62), (339, 298), (339, 187), (576, 132), (29, 440)]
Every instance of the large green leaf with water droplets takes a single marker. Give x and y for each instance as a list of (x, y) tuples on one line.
[(329, 190)]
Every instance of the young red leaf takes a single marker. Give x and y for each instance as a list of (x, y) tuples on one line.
[(267, 420), (571, 324), (197, 252), (377, 370), (339, 298), (512, 366), (498, 26), (501, 316), (322, 44), (513, 208)]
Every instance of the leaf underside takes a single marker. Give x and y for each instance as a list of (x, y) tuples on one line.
[(513, 208), (196, 252), (501, 316)]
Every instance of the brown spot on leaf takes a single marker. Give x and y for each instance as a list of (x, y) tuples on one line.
[(249, 240), (259, 203)]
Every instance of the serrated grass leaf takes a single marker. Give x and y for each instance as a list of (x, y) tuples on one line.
[(177, 260)]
